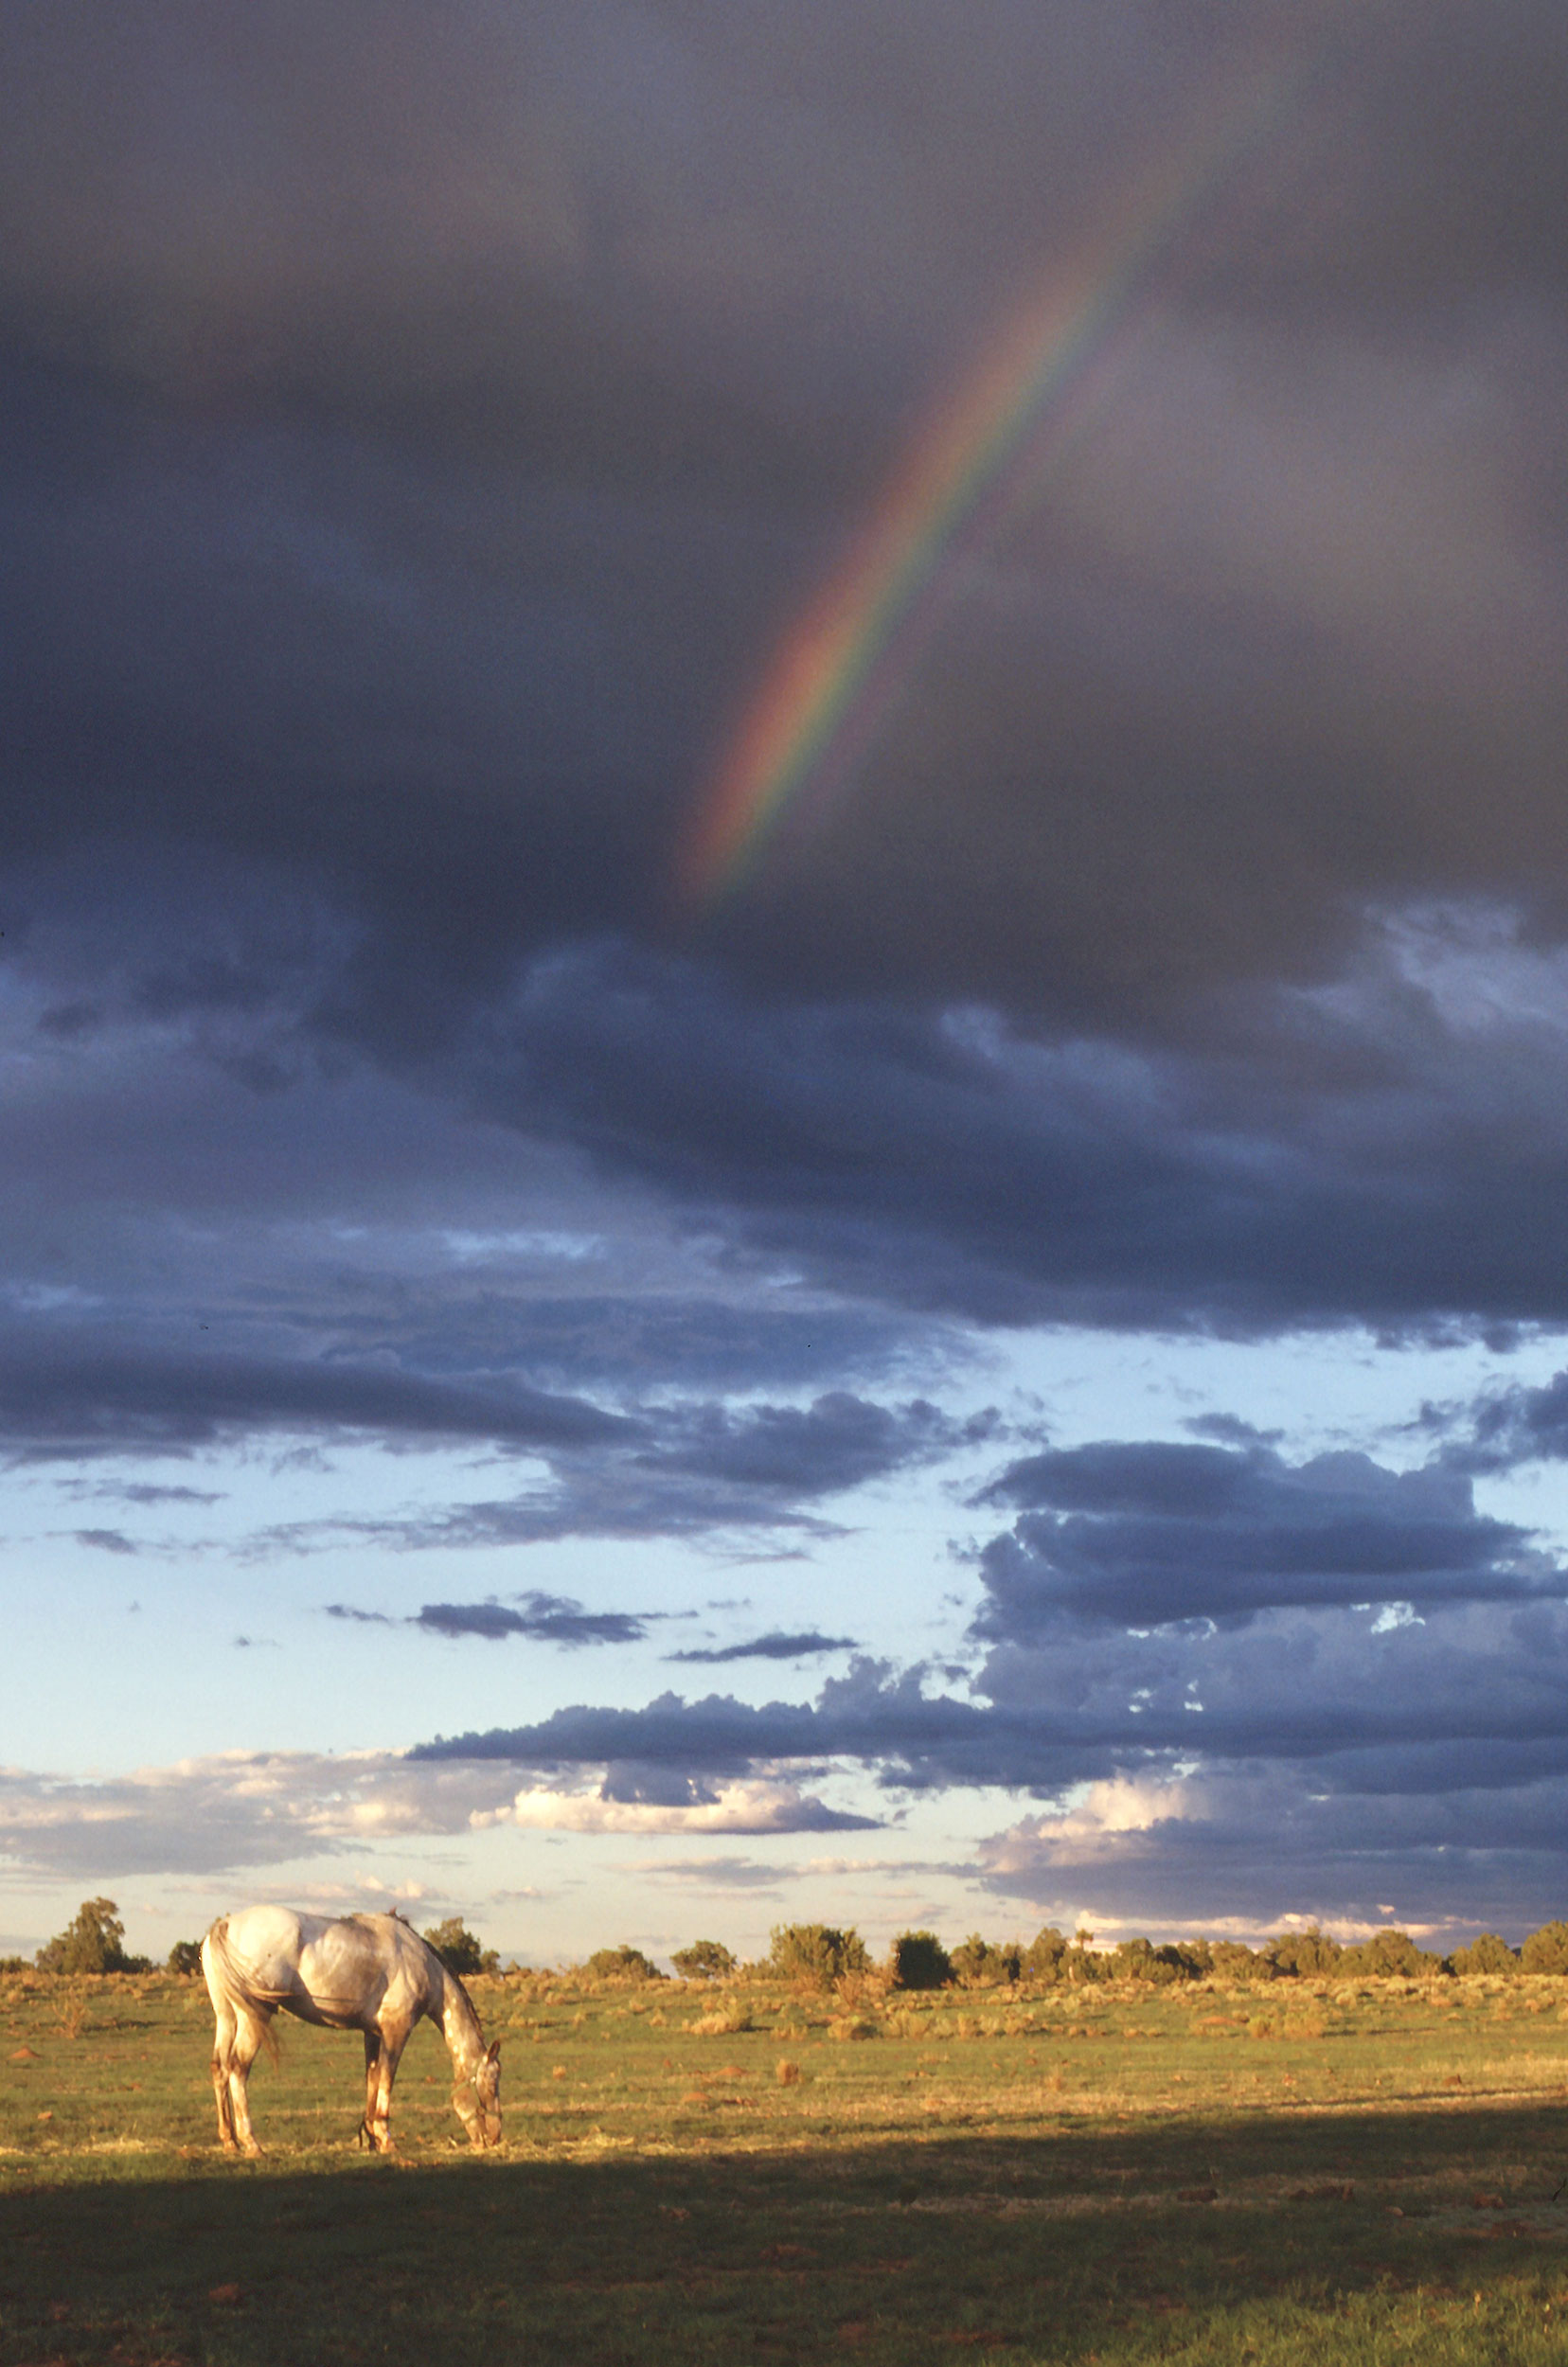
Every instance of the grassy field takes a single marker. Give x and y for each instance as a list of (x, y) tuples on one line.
[(1288, 2174)]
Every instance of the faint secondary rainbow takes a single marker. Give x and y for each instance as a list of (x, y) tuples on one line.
[(842, 661)]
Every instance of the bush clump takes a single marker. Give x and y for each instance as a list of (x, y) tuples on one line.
[(980, 1966), (1546, 1951), (1488, 1953), (622, 1963), (1310, 1954), (185, 1957), (919, 1961), (1043, 1957), (1140, 1960), (704, 1960), (816, 1955), (1386, 1956)]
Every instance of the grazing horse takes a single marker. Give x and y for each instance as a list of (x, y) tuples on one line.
[(354, 1972)]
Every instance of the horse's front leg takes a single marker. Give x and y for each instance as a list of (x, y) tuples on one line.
[(378, 2109)]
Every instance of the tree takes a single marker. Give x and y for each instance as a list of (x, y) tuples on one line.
[(1546, 1951), (1140, 1960), (815, 1953), (1307, 1953), (1488, 1953), (459, 1949), (980, 1966), (91, 1943), (704, 1960), (622, 1963), (920, 1961), (1082, 1965), (185, 1956), (1234, 1961), (1042, 1958), (1387, 1954)]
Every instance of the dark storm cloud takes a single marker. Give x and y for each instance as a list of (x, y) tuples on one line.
[(771, 1647), (408, 485), (1469, 1696), (416, 440), (687, 1472), (68, 1397), (1139, 1534), (408, 493), (1512, 1426), (839, 1442), (1253, 1844), (868, 1714), (144, 1493), (576, 1339), (545, 1619), (1340, 1162)]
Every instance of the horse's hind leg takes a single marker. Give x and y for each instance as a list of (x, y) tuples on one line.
[(242, 2054), (372, 2086), (223, 2055)]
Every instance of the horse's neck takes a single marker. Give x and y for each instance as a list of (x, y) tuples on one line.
[(459, 2025)]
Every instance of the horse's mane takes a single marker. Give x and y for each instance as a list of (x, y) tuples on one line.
[(394, 1915), (455, 1979)]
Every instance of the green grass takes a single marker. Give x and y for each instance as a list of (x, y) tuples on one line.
[(1299, 2173)]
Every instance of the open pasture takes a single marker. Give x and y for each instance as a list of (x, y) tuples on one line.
[(1288, 2173)]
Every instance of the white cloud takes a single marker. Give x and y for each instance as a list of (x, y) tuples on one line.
[(738, 1807), (235, 1808)]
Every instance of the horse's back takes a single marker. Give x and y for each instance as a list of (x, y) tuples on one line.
[(326, 1968)]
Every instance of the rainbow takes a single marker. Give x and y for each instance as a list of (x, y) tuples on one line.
[(966, 479)]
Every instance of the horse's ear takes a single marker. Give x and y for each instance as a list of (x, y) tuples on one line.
[(495, 2050)]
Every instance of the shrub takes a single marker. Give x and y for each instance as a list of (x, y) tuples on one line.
[(1385, 1955), (979, 1966), (1080, 1965), (622, 1963), (1306, 1954), (185, 1957), (1233, 1960), (1546, 1951), (89, 1944), (704, 1960), (815, 1953), (1139, 1960), (1044, 1955), (1489, 1953), (726, 2022), (919, 1961), (459, 1949)]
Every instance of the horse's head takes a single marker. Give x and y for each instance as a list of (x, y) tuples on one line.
[(476, 2100)]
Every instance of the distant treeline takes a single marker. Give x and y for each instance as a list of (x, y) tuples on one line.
[(818, 1955)]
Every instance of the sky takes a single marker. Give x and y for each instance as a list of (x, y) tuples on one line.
[(784, 966)]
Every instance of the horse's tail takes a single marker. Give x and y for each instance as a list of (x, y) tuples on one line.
[(231, 1982)]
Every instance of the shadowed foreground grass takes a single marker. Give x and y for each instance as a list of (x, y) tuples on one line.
[(1157, 2188)]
